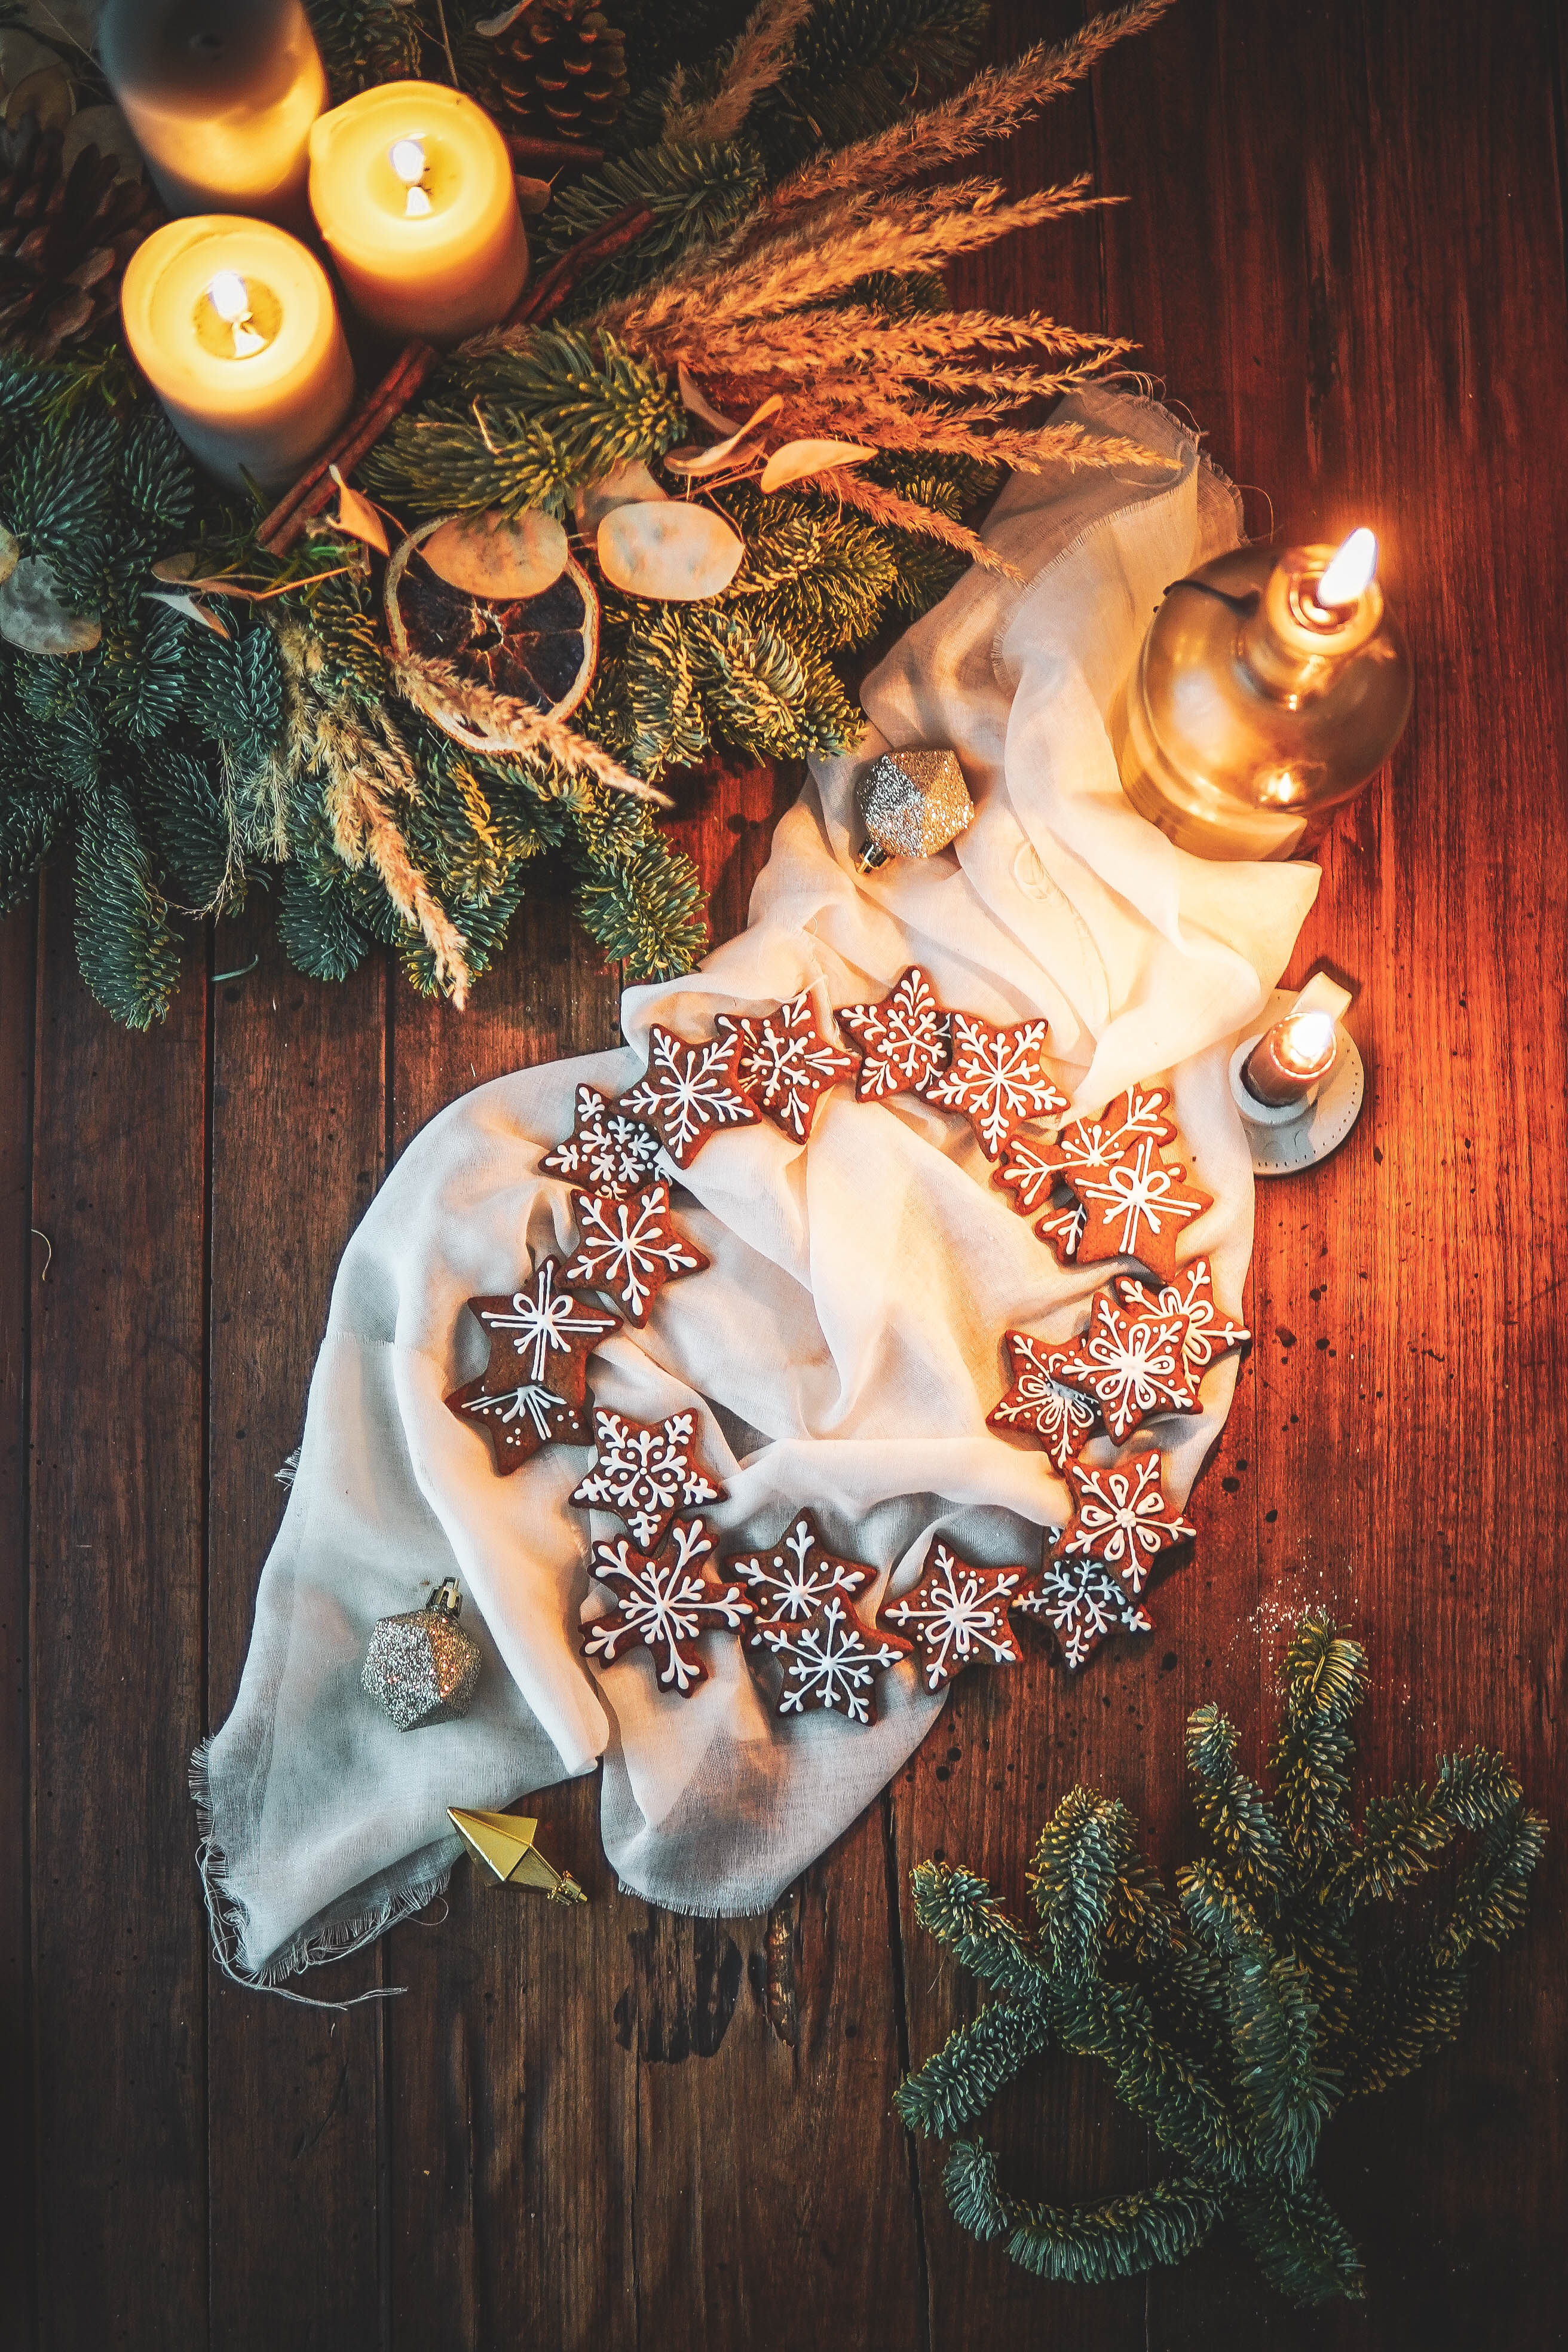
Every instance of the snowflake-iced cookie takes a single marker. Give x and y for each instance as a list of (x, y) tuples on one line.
[(1133, 1365), (831, 1659), (630, 1249), (903, 1040), (1121, 1518), (688, 1093), (1210, 1333), (607, 1152), (665, 1604), (1082, 1602), (1061, 1419), (784, 1065), (996, 1077), (957, 1615), (790, 1579), (647, 1473)]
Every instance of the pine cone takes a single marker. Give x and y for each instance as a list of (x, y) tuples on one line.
[(559, 72), (65, 239)]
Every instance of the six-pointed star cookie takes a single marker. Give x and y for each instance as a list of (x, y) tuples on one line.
[(903, 1040), (957, 1615), (1061, 1419), (631, 1248), (1133, 1365), (688, 1093), (1138, 1207), (1121, 1517), (665, 1603), (518, 1421), (784, 1063), (830, 1659), (606, 1152), (789, 1579), (647, 1472), (996, 1077), (1210, 1333), (1081, 1603), (542, 1334)]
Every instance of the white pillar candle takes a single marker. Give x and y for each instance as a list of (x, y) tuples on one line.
[(413, 192), (234, 326)]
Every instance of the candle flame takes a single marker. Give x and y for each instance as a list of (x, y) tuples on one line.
[(410, 164), (1306, 1041), (1350, 572), (231, 298)]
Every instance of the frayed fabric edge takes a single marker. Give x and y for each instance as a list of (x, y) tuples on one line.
[(309, 1949)]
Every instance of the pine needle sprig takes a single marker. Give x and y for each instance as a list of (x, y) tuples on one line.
[(1237, 2025)]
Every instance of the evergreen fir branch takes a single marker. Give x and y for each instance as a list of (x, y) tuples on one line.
[(973, 2194), (1324, 1679), (975, 2063), (859, 66), (646, 912), (316, 929), (1087, 2245), (34, 813), (1167, 2087), (1073, 1873), (1287, 2095), (189, 823), (961, 1911), (129, 956), (696, 193), (1232, 1811), (1301, 2243)]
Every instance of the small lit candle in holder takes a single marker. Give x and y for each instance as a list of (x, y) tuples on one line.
[(1267, 694), (413, 191), (233, 325), (1290, 1061), (1299, 1084), (221, 95)]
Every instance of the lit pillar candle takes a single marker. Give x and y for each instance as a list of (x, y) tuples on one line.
[(1289, 1062), (234, 326), (221, 95), (413, 192)]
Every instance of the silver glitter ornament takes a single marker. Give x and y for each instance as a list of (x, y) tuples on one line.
[(423, 1666), (912, 804)]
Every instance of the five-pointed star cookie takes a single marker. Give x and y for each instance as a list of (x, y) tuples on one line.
[(957, 1615), (1134, 1365), (1138, 1207), (542, 1334), (688, 1094), (1061, 1419), (784, 1065)]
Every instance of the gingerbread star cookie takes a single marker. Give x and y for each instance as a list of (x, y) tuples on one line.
[(664, 1603), (789, 1579), (1210, 1333), (688, 1094), (606, 1152), (1121, 1517), (1133, 1365), (996, 1078), (647, 1472), (784, 1065), (903, 1040), (533, 1390), (1138, 1207), (1061, 1419), (957, 1615), (630, 1249)]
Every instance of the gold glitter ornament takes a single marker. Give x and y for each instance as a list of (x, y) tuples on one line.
[(422, 1667), (912, 804)]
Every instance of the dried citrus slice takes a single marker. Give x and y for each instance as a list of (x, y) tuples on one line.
[(537, 650)]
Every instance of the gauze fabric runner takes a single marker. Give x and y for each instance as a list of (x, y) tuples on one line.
[(843, 1351)]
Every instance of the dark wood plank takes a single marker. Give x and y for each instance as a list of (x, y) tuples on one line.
[(117, 1401), (22, 1261), (298, 1143)]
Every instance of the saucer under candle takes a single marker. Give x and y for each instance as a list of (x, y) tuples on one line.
[(1267, 694), (221, 95), (233, 325), (411, 188)]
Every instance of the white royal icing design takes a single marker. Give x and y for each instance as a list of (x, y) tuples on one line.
[(688, 1093), (995, 1079), (903, 1040), (647, 1472), (1060, 1417), (784, 1063), (546, 1323), (631, 1248), (957, 1615), (520, 1421), (792, 1578), (1123, 1518), (606, 1152), (1210, 1333), (1082, 1604), (665, 1603), (1133, 1365), (1137, 1207), (831, 1660)]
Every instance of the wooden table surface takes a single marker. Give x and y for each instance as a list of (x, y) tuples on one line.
[(1343, 252)]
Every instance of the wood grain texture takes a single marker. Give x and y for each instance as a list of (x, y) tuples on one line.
[(1342, 253)]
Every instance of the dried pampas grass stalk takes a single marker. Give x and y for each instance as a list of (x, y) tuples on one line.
[(436, 688), (906, 514), (761, 55)]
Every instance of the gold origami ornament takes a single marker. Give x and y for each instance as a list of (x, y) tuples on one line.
[(911, 803), (504, 1843)]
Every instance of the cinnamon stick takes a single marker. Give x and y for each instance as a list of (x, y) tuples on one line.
[(293, 516), (541, 301), (524, 150)]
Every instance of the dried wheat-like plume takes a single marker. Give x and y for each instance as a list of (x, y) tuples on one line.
[(991, 108), (761, 56), (437, 689), (908, 514)]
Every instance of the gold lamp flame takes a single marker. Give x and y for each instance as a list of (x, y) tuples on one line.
[(1351, 572)]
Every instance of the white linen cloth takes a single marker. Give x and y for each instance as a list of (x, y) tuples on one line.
[(843, 1351)]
